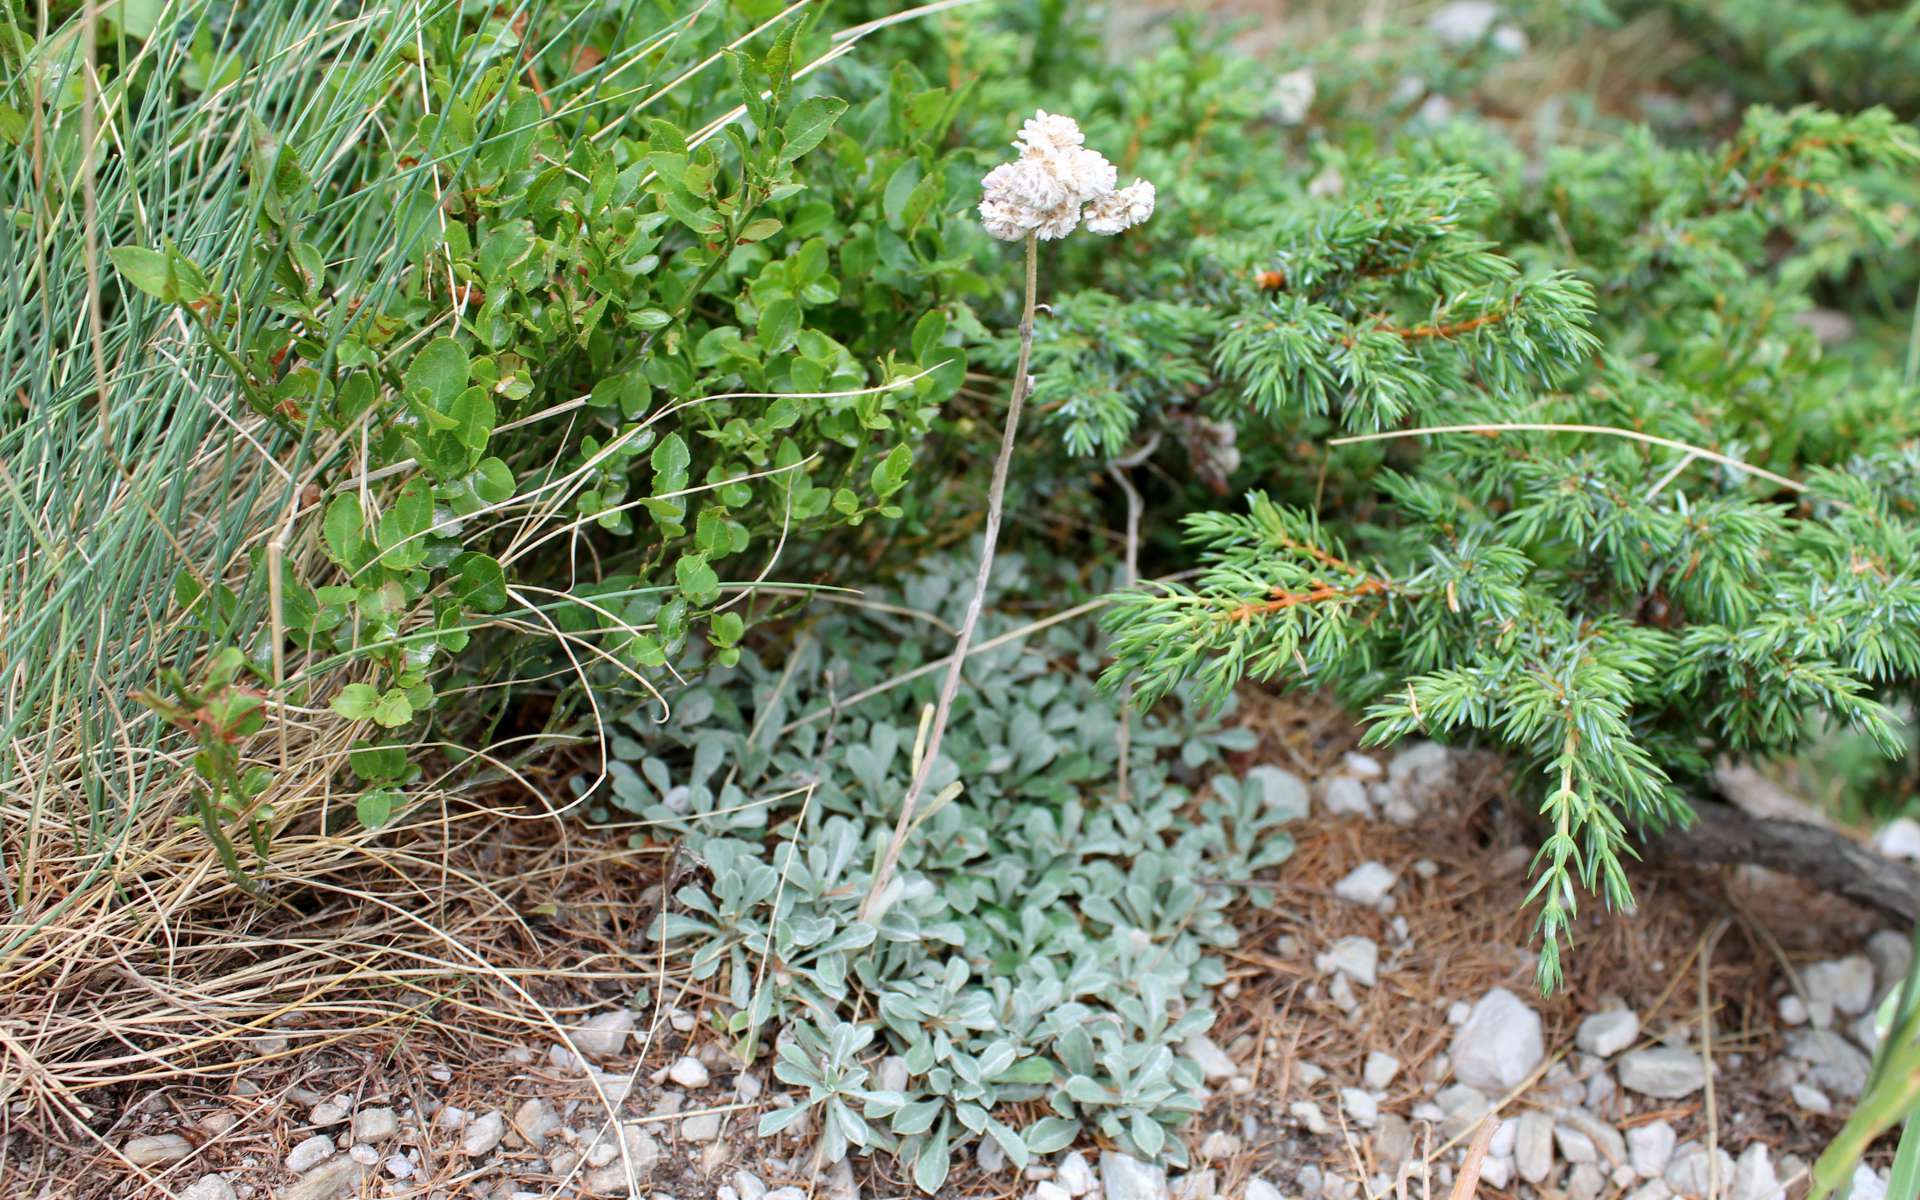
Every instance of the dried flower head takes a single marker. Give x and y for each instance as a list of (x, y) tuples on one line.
[(1056, 183), (1048, 131), (1120, 210)]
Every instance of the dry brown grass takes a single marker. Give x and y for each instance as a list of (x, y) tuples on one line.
[(448, 939)]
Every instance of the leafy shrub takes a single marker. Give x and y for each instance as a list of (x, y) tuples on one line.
[(561, 376), (1623, 515), (1037, 945), (1844, 53)]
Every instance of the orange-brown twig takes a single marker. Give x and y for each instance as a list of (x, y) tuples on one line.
[(1437, 330), (1282, 599)]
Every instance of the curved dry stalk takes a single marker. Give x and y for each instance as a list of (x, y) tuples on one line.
[(872, 907), (1634, 435)]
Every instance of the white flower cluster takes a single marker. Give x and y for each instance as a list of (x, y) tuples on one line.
[(1057, 183)]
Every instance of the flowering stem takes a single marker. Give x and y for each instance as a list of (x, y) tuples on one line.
[(872, 909)]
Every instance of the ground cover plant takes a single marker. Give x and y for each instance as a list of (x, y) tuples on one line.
[(1041, 947)]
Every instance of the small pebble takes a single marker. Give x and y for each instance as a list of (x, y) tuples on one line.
[(310, 1153), (157, 1149), (328, 1113), (689, 1072), (1367, 884), (1379, 1070), (375, 1124), (484, 1134)]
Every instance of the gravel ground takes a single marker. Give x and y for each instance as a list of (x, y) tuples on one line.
[(1378, 1022)]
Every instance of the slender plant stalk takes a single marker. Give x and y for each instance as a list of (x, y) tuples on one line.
[(996, 501)]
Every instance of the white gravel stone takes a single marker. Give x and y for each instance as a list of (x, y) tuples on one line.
[(400, 1166), (1496, 1172), (375, 1124), (1215, 1063), (1865, 1031), (1899, 838), (1342, 796), (1421, 768), (1047, 1189), (1504, 1136), (604, 1035), (1533, 1146), (1260, 1189), (1458, 1012), (329, 1113), (1834, 1065), (1075, 1174), (1793, 1010), (1362, 1109), (1687, 1174), (1379, 1070), (1845, 983), (1464, 22), (1357, 958), (1653, 1189), (535, 1120), (1309, 1115), (1867, 1184), (701, 1127), (1606, 1140), (1605, 1034), (1462, 1107), (1892, 955), (1281, 791), (616, 1084), (209, 1187), (1811, 1099), (1123, 1177), (1650, 1148), (310, 1153), (1754, 1177), (689, 1072), (1361, 766), (892, 1074), (1664, 1072), (1585, 1182), (484, 1134), (1601, 1090), (1500, 1043), (748, 1186), (1340, 991), (156, 1149), (1510, 39), (1575, 1146), (363, 1154), (334, 1179)]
